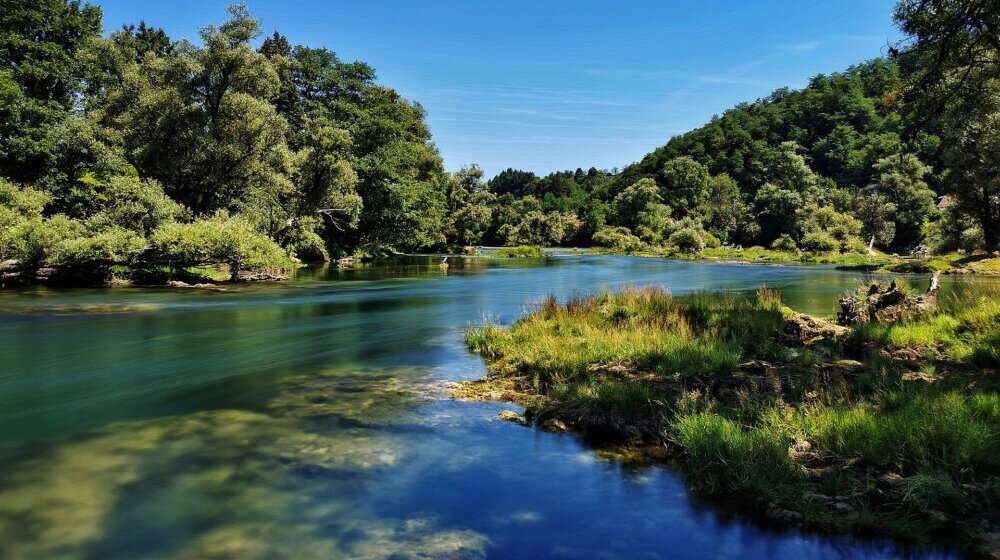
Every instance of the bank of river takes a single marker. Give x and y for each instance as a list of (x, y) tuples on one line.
[(310, 419)]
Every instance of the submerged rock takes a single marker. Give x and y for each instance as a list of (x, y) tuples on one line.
[(554, 425), (511, 416)]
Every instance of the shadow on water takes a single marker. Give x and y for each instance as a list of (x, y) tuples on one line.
[(309, 420)]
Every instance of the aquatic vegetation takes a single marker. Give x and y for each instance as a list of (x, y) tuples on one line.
[(757, 407), (519, 252), (236, 484), (640, 329)]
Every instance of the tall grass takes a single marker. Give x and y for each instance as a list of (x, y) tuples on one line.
[(645, 329), (964, 330)]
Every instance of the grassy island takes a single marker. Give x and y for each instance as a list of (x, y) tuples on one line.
[(879, 427)]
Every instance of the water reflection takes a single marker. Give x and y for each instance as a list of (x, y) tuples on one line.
[(308, 420)]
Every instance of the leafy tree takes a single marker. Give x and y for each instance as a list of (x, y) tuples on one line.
[(685, 184), (43, 75), (618, 239), (901, 182)]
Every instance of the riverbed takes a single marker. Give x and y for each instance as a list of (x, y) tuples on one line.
[(310, 419)]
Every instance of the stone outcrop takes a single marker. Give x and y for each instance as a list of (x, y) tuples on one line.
[(879, 303)]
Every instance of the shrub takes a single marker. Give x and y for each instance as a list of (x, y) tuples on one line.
[(617, 239), (855, 245), (687, 240), (34, 242), (221, 239), (114, 245), (784, 242), (711, 241), (520, 252), (136, 205), (819, 242)]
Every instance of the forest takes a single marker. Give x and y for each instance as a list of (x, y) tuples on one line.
[(135, 155)]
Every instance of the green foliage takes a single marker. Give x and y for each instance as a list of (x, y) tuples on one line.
[(784, 242), (40, 44), (220, 239), (520, 252), (687, 240), (142, 206), (111, 246), (617, 239), (36, 241)]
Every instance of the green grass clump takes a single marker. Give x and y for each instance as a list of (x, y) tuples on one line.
[(644, 329), (962, 330), (520, 252), (722, 456)]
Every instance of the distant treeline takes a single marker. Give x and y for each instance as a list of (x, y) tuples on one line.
[(136, 149)]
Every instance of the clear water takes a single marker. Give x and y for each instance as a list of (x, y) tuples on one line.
[(309, 420)]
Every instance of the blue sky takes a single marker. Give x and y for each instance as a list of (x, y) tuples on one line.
[(550, 85)]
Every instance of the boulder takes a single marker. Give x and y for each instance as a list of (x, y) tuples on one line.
[(879, 303)]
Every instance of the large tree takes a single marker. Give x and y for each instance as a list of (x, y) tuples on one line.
[(42, 77)]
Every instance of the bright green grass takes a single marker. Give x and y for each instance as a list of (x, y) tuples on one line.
[(519, 252), (644, 329)]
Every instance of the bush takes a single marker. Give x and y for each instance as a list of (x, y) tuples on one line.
[(221, 239), (854, 245), (687, 240), (35, 242), (784, 242), (711, 241), (819, 242), (617, 239), (520, 252), (136, 205), (111, 246)]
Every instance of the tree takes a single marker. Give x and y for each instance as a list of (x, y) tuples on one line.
[(952, 50), (469, 206), (200, 120), (901, 183), (685, 184), (43, 75), (953, 47)]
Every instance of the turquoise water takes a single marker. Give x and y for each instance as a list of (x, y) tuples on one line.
[(310, 420)]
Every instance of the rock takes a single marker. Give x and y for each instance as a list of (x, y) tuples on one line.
[(178, 284), (554, 425), (784, 515), (511, 416), (842, 507), (890, 478), (988, 545), (470, 250), (886, 304), (808, 329), (800, 446), (9, 264), (345, 262), (261, 276)]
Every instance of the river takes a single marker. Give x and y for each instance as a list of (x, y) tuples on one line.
[(308, 419)]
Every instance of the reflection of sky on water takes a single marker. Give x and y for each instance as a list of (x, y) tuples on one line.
[(308, 420)]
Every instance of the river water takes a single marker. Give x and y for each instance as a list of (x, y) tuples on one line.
[(309, 420)]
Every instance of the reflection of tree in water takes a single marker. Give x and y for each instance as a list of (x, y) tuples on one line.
[(229, 484)]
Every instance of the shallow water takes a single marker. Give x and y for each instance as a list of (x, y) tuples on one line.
[(308, 420)]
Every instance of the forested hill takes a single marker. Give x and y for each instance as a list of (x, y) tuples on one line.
[(844, 123), (841, 148)]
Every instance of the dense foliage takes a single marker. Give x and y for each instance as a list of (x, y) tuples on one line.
[(116, 138), (221, 152)]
